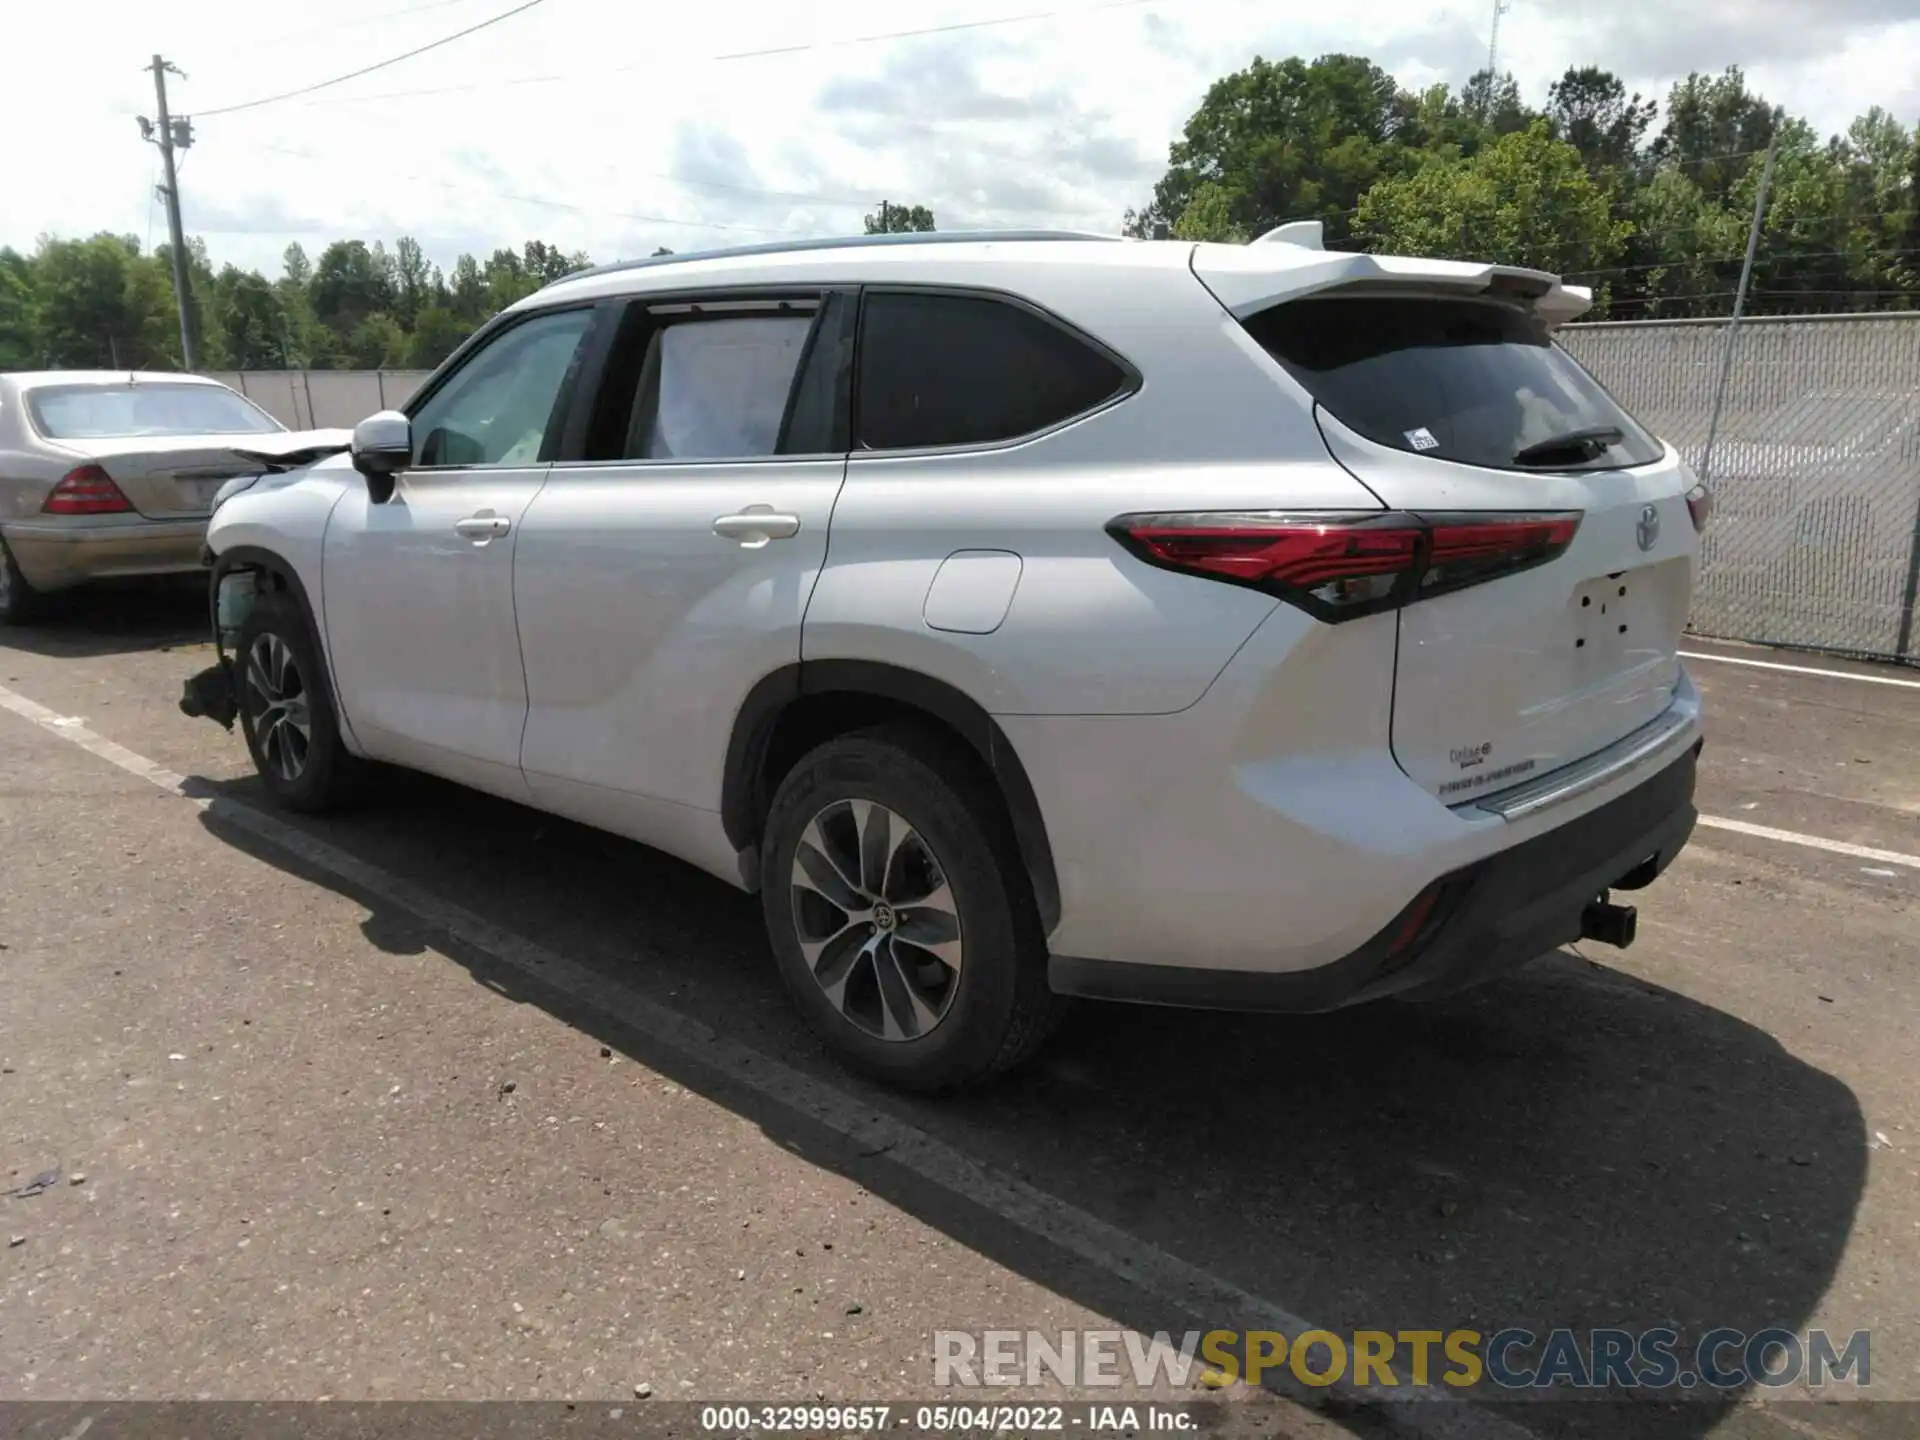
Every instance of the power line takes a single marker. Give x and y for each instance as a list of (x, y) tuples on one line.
[(378, 65), (927, 30), (351, 22), (1786, 257), (588, 76), (561, 204), (757, 192)]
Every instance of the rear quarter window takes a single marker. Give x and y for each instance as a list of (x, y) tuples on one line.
[(939, 369), (1472, 381)]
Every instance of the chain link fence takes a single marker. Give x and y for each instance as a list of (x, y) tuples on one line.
[(1815, 538)]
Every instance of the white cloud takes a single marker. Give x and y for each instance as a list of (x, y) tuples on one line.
[(608, 127)]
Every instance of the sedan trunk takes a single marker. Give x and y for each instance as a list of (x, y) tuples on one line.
[(175, 478)]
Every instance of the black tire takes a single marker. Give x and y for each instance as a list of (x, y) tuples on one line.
[(319, 774), (998, 1008), (19, 601)]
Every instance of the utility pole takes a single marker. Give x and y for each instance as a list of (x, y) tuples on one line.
[(173, 134), (1739, 305), (1493, 55)]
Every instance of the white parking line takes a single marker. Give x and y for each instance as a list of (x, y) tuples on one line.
[(1801, 669), (1812, 842), (1153, 1272)]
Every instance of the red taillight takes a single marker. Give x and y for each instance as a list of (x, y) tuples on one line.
[(1700, 506), (88, 490), (1469, 549), (1337, 566)]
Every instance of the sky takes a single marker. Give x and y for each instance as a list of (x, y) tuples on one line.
[(613, 126)]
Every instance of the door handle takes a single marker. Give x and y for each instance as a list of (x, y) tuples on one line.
[(756, 525), (482, 527)]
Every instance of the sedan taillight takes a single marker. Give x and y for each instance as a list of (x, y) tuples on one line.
[(1338, 566), (86, 490)]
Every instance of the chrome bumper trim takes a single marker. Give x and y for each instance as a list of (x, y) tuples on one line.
[(1600, 768)]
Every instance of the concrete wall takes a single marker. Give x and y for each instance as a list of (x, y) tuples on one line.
[(323, 399)]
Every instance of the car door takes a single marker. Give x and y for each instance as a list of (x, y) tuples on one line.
[(419, 589), (666, 570)]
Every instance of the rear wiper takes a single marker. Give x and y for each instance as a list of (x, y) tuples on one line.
[(1580, 444)]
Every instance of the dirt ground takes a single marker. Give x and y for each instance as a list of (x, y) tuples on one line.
[(445, 1099)]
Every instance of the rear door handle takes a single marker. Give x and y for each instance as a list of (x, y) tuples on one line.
[(756, 525), (482, 527)]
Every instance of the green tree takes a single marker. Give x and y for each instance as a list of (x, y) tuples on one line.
[(1526, 199), (100, 302), (468, 291), (376, 343), (1590, 109), (546, 263), (1716, 129), (1209, 216), (507, 279), (306, 342), (893, 219), (351, 280), (249, 321), (19, 346), (1684, 250), (436, 334), (413, 280), (1909, 232), (1496, 103), (1283, 141)]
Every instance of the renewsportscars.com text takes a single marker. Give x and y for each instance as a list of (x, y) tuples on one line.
[(1512, 1359)]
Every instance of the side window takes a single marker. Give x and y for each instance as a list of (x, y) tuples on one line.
[(495, 409), (715, 388), (939, 369)]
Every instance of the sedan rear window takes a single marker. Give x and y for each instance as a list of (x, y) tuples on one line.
[(102, 412), (1479, 382)]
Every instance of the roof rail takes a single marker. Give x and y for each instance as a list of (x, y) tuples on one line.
[(830, 242)]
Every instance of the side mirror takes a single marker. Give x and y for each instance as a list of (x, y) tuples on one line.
[(382, 448)]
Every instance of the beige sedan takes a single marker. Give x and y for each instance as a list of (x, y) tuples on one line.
[(106, 474)]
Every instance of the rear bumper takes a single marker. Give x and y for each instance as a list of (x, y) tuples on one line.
[(60, 554), (1491, 917)]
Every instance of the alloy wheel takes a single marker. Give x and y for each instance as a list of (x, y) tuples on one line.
[(875, 919), (276, 695)]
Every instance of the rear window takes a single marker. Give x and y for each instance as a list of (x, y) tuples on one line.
[(1474, 381), (939, 369), (104, 412)]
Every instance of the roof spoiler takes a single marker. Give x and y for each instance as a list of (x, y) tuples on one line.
[(1284, 264), (1307, 234)]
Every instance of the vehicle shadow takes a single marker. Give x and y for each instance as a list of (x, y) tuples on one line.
[(1569, 1148), (116, 619)]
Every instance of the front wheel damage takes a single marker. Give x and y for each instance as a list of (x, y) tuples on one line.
[(211, 695)]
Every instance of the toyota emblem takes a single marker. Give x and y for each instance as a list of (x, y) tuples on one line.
[(1648, 530)]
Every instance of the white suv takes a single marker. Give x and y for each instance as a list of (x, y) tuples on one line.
[(1021, 616)]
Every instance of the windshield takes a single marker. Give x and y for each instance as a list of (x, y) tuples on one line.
[(1474, 381), (103, 412)]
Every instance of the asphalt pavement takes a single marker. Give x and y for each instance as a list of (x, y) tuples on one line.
[(445, 1099)]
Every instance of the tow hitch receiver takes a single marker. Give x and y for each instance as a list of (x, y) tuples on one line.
[(1608, 923), (209, 695)]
